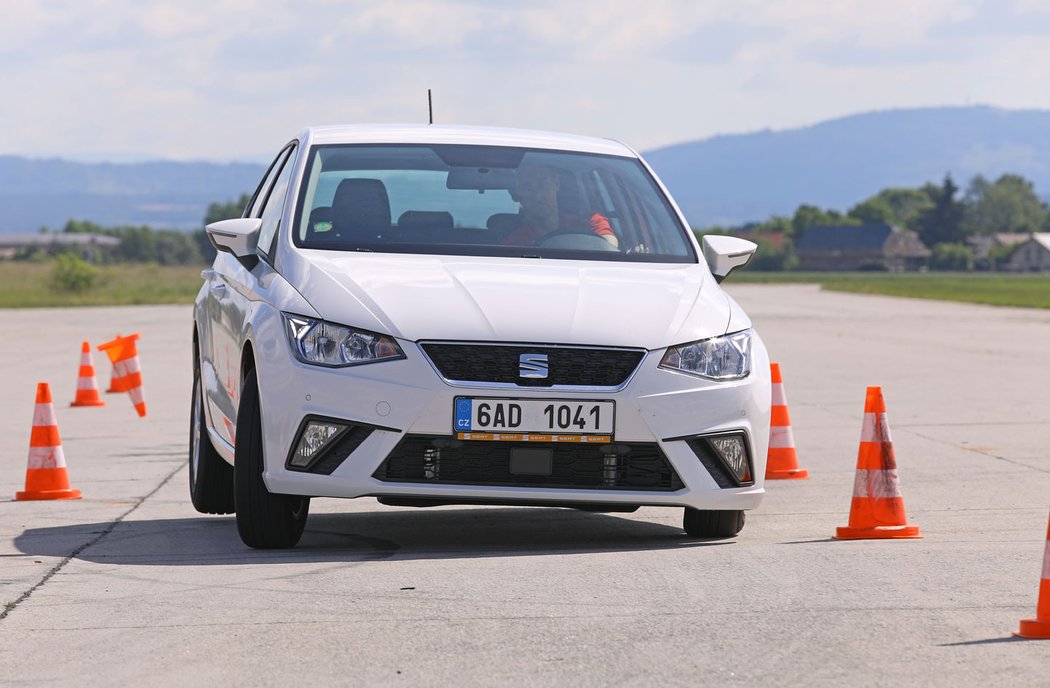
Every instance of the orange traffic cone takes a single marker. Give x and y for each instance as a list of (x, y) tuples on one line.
[(87, 386), (116, 382), (781, 461), (877, 511), (1039, 627), (124, 355), (46, 475)]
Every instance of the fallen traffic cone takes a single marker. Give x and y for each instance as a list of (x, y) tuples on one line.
[(1039, 627), (877, 511), (124, 356), (87, 386), (116, 382), (46, 474), (781, 460)]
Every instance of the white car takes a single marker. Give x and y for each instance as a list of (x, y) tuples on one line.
[(435, 315)]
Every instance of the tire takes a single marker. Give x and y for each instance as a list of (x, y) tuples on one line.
[(712, 524), (264, 520), (211, 478)]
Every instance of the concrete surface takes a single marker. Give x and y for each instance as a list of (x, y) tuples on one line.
[(131, 585)]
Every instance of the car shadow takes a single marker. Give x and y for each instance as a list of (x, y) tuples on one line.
[(405, 534)]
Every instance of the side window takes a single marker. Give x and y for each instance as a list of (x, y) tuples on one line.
[(273, 207), (260, 191)]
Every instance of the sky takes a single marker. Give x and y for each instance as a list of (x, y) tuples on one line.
[(227, 80)]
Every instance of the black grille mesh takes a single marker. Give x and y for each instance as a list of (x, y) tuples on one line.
[(566, 365), (439, 460)]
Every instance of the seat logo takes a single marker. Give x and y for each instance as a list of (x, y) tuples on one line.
[(532, 366)]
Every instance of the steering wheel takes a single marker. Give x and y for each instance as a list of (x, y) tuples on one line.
[(580, 241)]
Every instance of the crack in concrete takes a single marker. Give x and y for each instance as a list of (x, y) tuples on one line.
[(10, 607)]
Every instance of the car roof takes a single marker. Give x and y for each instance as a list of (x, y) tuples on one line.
[(468, 135)]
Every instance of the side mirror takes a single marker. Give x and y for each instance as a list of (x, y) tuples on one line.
[(238, 236), (725, 253)]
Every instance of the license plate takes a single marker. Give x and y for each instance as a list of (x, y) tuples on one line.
[(534, 420)]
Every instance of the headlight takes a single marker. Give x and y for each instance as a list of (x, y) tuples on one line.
[(324, 343), (718, 358)]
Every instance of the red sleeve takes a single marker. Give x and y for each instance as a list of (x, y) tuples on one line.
[(600, 225)]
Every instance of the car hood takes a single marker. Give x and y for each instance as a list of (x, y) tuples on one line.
[(418, 297)]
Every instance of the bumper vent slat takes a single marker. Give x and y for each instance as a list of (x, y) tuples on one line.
[(567, 366)]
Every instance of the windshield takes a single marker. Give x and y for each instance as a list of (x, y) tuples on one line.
[(486, 201)]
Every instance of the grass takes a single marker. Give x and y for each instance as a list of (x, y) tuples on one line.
[(27, 285), (996, 289)]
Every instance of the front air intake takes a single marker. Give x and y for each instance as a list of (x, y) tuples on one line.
[(442, 460)]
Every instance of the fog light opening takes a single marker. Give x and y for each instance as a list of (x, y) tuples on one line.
[(732, 450), (316, 438)]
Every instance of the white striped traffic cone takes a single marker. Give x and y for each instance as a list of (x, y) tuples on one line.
[(46, 474), (124, 355), (87, 386), (877, 510), (781, 459), (1039, 627)]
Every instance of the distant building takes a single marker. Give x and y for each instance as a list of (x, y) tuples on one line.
[(861, 247), (983, 246), (11, 244), (1033, 255)]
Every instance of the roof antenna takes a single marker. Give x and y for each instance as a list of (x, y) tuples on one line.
[(430, 106)]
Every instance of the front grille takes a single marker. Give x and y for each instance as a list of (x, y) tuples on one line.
[(567, 366), (442, 460)]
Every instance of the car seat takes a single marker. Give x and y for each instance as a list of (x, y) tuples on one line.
[(360, 207)]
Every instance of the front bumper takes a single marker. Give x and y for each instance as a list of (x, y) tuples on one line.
[(406, 400)]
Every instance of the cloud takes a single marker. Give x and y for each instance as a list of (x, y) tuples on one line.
[(232, 78)]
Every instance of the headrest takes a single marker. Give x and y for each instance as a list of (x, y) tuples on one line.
[(360, 205), (425, 219)]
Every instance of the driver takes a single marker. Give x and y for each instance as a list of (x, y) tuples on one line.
[(536, 190)]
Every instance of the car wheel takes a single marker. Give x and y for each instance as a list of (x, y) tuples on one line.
[(712, 524), (264, 520), (211, 478)]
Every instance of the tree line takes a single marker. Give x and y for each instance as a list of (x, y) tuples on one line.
[(142, 243), (945, 218)]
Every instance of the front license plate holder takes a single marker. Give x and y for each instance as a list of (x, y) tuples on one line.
[(581, 421)]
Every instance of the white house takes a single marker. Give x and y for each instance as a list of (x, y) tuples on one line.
[(1033, 255)]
